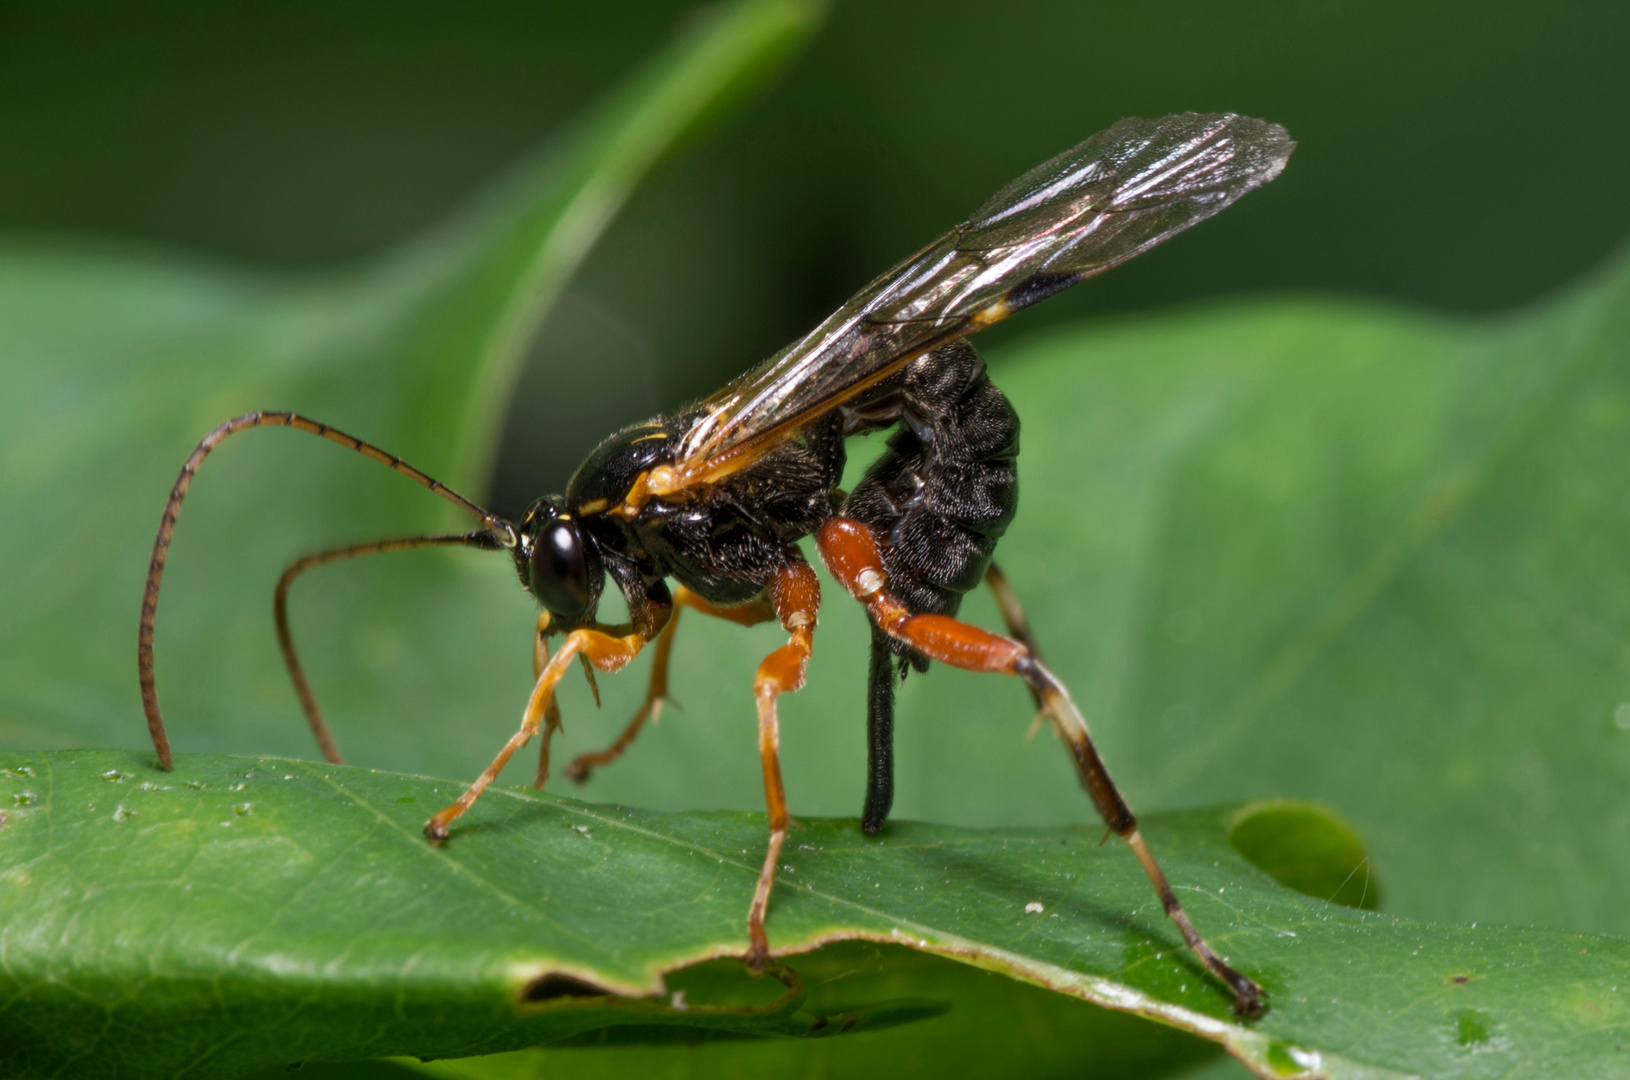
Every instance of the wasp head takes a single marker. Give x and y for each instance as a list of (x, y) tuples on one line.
[(559, 564)]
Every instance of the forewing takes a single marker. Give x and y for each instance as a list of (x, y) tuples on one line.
[(1090, 208)]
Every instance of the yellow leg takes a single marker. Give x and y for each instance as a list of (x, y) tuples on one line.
[(551, 712), (583, 766), (604, 651), (796, 594)]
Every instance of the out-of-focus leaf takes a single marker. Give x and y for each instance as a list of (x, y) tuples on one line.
[(112, 366), (1309, 850)]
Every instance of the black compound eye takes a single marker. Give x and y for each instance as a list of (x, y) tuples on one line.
[(561, 576)]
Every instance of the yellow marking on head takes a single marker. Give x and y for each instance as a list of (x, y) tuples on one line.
[(593, 506), (648, 438)]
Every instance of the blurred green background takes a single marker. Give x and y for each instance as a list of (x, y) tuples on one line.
[(1461, 156)]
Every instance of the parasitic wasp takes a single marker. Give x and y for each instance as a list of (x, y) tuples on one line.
[(717, 496)]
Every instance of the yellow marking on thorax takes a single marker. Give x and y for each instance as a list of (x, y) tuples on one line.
[(662, 482)]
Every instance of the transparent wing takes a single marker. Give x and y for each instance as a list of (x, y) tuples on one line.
[(1090, 208)]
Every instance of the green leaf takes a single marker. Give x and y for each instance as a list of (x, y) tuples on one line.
[(244, 909)]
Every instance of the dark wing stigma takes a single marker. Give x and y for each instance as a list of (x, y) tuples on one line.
[(1087, 210)]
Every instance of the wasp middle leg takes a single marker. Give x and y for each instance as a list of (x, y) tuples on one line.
[(749, 614), (795, 593)]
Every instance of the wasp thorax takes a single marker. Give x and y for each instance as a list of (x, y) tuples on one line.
[(616, 466)]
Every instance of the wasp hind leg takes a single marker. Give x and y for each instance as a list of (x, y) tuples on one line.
[(851, 552), (880, 683), (795, 593)]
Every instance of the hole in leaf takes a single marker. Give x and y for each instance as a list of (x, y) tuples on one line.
[(557, 984), (1308, 848)]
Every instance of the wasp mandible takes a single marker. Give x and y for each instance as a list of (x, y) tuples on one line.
[(718, 495)]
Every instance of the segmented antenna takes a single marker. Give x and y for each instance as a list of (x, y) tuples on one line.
[(502, 531), (280, 613)]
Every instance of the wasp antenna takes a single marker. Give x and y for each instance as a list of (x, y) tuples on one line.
[(503, 535), (483, 540)]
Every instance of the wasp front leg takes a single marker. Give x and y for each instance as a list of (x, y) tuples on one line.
[(551, 712), (796, 594), (605, 652)]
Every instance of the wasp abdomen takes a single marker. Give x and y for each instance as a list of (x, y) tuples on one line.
[(947, 486)]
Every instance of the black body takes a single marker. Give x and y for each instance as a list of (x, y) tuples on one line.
[(938, 499)]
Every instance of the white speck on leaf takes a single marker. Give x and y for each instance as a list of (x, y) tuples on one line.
[(1034, 908)]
